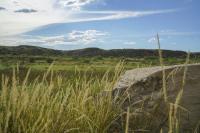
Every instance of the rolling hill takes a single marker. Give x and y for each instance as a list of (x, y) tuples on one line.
[(25, 50), (28, 51)]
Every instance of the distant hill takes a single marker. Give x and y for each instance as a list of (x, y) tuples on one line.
[(88, 52), (28, 50), (123, 53)]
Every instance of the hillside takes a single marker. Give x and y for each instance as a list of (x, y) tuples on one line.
[(88, 52), (123, 53), (24, 50)]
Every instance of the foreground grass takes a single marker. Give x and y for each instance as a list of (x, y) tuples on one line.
[(82, 104), (51, 106), (53, 103)]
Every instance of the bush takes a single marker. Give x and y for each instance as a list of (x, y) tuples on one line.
[(97, 58), (32, 60), (74, 58), (49, 60), (86, 61)]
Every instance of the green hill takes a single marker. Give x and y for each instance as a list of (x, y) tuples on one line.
[(24, 50)]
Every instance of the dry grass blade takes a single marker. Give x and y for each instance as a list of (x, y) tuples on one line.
[(127, 120), (164, 87)]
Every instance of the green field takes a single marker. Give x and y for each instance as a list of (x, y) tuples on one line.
[(96, 63), (67, 66)]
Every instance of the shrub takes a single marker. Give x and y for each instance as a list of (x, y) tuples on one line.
[(32, 60), (97, 58), (49, 60), (86, 61)]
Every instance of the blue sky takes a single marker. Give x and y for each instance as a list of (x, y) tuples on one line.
[(107, 24)]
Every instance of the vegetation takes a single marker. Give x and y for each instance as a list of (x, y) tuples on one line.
[(57, 106), (25, 50), (54, 103), (73, 95), (96, 60)]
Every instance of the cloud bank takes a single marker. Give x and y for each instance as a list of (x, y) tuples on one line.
[(25, 15), (25, 11), (73, 38), (2, 8)]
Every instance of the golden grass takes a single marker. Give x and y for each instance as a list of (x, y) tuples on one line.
[(174, 108), (56, 106)]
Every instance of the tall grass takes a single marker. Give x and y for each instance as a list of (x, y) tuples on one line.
[(174, 107), (80, 105), (164, 87), (55, 106)]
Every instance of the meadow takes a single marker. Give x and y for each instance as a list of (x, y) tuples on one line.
[(69, 66), (95, 63), (65, 94)]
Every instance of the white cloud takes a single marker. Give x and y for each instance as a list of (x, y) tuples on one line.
[(44, 12), (115, 15), (75, 4), (2, 8), (73, 38), (52, 40), (130, 43), (15, 23), (85, 37), (17, 40), (25, 10), (177, 33), (152, 40)]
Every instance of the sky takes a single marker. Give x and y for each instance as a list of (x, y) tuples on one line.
[(106, 24)]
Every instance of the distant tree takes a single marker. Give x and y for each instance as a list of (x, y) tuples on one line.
[(86, 61), (49, 60), (32, 60), (75, 58), (96, 58), (5, 61)]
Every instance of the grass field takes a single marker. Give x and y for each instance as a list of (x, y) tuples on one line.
[(66, 97), (99, 63), (67, 66)]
